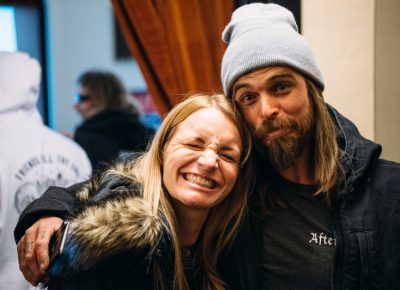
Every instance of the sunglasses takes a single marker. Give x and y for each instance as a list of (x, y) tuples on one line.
[(81, 98)]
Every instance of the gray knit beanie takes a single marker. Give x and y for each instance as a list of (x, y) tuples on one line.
[(261, 35)]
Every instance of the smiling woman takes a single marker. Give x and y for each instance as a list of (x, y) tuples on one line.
[(201, 166), (202, 159), (160, 220)]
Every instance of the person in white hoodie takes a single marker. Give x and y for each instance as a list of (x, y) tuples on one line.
[(32, 156)]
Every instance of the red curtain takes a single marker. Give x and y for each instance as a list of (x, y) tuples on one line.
[(176, 43)]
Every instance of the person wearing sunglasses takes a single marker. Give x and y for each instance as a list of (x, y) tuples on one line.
[(111, 123)]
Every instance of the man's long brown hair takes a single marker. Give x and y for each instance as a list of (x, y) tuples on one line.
[(326, 149)]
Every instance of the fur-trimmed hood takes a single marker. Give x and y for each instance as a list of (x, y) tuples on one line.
[(112, 218)]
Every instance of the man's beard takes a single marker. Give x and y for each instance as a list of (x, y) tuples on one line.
[(284, 151)]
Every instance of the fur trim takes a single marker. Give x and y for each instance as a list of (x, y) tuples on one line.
[(104, 228), (100, 232)]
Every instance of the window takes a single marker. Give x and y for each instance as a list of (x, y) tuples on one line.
[(22, 29), (8, 31)]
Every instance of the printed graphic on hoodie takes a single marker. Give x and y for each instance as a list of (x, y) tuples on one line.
[(60, 171)]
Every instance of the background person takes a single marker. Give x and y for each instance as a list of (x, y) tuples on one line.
[(182, 201), (32, 157), (111, 123), (331, 206)]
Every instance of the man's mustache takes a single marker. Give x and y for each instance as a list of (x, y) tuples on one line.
[(269, 126)]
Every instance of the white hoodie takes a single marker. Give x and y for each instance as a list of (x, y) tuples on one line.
[(32, 157)]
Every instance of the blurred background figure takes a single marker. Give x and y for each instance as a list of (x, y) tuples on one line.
[(111, 121), (32, 157)]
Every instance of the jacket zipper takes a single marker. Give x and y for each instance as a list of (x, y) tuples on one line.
[(363, 247), (336, 275)]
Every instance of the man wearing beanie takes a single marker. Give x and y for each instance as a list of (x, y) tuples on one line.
[(329, 207)]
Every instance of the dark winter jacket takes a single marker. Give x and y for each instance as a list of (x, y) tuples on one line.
[(108, 134), (365, 215), (100, 256), (121, 256)]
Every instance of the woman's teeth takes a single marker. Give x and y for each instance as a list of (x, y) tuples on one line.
[(199, 180)]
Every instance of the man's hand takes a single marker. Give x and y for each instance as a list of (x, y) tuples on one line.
[(33, 249)]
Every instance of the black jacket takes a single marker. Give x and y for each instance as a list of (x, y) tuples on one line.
[(365, 215), (97, 256), (108, 134)]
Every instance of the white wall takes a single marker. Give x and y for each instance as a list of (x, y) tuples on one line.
[(341, 32), (356, 43), (80, 35), (387, 78)]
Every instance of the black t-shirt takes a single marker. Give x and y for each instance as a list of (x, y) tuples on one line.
[(193, 272), (298, 243)]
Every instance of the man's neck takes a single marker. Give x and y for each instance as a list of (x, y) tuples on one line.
[(302, 171)]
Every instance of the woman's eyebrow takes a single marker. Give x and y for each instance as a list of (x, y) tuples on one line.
[(235, 149)]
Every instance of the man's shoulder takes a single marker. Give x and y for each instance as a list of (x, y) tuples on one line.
[(387, 165), (387, 173)]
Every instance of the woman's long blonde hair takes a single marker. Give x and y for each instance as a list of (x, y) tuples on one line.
[(223, 220)]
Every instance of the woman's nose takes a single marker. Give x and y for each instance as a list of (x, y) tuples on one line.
[(208, 159)]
